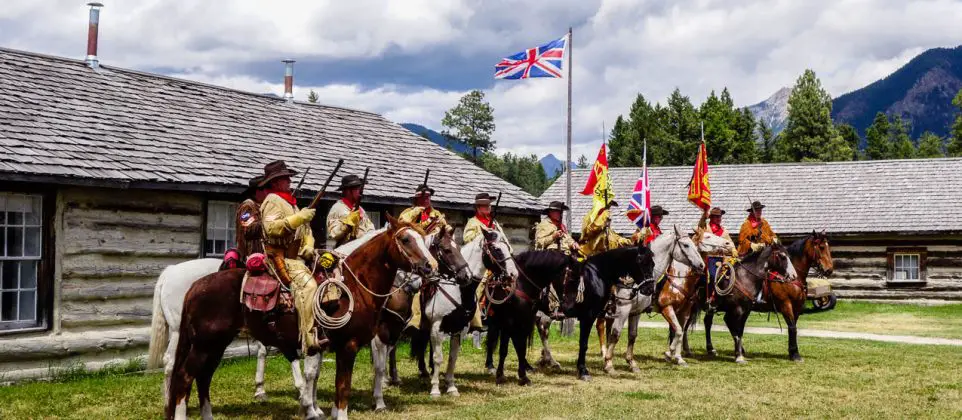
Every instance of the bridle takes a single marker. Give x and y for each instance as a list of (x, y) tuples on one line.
[(411, 260), (435, 248)]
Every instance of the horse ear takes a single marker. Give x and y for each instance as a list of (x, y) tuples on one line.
[(677, 231), (391, 220)]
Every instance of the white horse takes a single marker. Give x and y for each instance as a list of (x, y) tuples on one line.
[(168, 303), (440, 305), (630, 303)]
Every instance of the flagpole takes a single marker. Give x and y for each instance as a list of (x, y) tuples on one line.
[(568, 142)]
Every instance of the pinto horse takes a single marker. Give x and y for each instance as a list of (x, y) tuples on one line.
[(788, 298), (213, 315)]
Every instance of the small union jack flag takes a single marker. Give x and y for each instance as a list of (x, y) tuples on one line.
[(639, 206), (544, 61)]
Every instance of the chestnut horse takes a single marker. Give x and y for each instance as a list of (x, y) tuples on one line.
[(213, 315), (788, 298)]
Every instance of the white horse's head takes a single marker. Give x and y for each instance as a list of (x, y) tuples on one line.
[(685, 251), (710, 243)]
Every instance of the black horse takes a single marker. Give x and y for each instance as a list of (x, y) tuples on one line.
[(538, 270)]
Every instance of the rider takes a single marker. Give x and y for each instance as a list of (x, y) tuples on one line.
[(712, 220), (347, 220), (247, 220), (473, 228), (596, 235), (653, 230), (754, 235), (288, 239), (551, 234), (424, 214)]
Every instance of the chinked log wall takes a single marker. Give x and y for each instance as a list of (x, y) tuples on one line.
[(111, 246), (862, 267)]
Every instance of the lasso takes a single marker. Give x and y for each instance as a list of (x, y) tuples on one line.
[(326, 321), (731, 283)]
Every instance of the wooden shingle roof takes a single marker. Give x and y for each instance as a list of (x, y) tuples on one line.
[(61, 121), (895, 196)]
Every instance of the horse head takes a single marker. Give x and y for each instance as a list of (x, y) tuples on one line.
[(780, 262), (710, 244), (450, 261), (686, 252), (818, 250), (642, 269), (496, 254), (408, 249)]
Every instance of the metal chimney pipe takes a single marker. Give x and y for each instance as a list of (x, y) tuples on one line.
[(92, 31), (289, 80)]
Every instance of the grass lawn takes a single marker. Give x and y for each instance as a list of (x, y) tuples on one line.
[(839, 378), (878, 318)]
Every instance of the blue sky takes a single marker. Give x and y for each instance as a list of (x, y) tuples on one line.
[(411, 60)]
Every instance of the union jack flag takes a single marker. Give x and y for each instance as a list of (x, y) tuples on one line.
[(544, 61), (639, 206)]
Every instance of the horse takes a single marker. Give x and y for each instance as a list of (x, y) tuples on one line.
[(213, 315), (451, 265), (789, 297), (747, 279), (630, 304), (513, 319), (665, 248)]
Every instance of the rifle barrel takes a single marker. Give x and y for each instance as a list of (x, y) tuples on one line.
[(320, 193)]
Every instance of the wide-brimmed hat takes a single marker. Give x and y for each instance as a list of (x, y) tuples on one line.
[(716, 211), (757, 205), (612, 203), (483, 199), (422, 190), (658, 211), (274, 170), (555, 205), (252, 185), (351, 181)]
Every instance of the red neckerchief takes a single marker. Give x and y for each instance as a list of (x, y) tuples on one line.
[(426, 214), (655, 231), (755, 222), (351, 205), (560, 226), (288, 197), (717, 229), (486, 221)]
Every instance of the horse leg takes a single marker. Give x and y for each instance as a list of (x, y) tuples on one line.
[(709, 348), (378, 353), (689, 320), (520, 341), (186, 367), (259, 393), (437, 357), (502, 354), (304, 398), (614, 333), (203, 383), (601, 326), (392, 353), (312, 369), (452, 362), (732, 318), (169, 362), (419, 353), (787, 310), (674, 348), (585, 324), (490, 345), (342, 381), (632, 335), (544, 331)]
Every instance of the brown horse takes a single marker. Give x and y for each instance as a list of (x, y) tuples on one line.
[(213, 316), (788, 298)]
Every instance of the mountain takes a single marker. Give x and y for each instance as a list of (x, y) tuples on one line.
[(921, 92), (553, 165), (774, 110), (438, 138)]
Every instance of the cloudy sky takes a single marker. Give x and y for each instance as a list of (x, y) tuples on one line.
[(412, 59)]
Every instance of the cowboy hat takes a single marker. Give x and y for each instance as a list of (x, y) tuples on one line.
[(658, 211), (252, 185), (716, 211), (757, 205), (350, 181), (483, 199), (422, 190), (274, 170), (555, 205), (612, 203)]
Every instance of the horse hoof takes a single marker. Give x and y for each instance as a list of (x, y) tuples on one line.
[(682, 363), (260, 397), (381, 409), (585, 377), (687, 353), (453, 392), (491, 371), (501, 380), (740, 360), (524, 382), (609, 369), (712, 353), (797, 358), (556, 365), (394, 382), (635, 369), (435, 393), (668, 356)]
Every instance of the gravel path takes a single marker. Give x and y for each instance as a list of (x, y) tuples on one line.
[(906, 339)]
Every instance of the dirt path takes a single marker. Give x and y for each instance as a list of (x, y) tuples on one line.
[(905, 339)]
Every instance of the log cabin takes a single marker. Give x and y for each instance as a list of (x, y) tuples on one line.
[(108, 175), (894, 226)]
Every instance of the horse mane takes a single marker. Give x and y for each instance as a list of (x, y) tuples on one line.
[(798, 247), (541, 259), (753, 257), (610, 257)]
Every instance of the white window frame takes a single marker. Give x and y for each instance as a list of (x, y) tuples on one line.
[(220, 227), (899, 260), (21, 322)]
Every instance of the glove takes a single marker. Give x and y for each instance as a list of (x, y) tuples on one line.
[(301, 217), (757, 247), (307, 254), (352, 219)]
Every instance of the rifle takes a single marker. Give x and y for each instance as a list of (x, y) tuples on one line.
[(363, 183), (320, 192), (494, 211), (427, 173), (300, 183)]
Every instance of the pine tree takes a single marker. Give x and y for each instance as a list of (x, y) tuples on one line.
[(680, 118), (767, 137), (312, 97), (850, 135), (810, 134), (955, 145), (719, 128), (877, 144), (901, 143), (930, 146), (582, 162), (471, 121)]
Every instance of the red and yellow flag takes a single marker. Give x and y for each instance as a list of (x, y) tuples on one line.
[(699, 190), (599, 185)]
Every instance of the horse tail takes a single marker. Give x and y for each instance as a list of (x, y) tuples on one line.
[(419, 343), (693, 318), (159, 334)]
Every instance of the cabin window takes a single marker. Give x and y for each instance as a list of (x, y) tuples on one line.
[(220, 228), (906, 265), (21, 236)]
